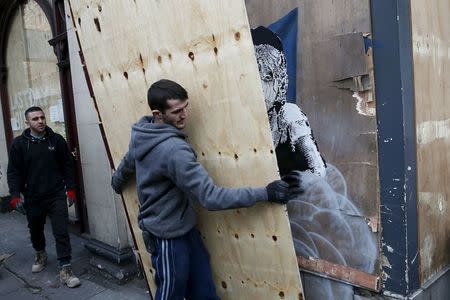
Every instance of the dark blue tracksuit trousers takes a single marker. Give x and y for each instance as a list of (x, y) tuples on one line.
[(182, 268)]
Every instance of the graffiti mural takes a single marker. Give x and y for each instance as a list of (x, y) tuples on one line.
[(325, 223)]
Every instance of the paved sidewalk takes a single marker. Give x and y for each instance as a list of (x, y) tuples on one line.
[(17, 282)]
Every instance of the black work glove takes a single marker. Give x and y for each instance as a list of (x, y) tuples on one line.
[(277, 191), (293, 178)]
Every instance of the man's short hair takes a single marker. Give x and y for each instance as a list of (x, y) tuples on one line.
[(163, 90), (32, 109)]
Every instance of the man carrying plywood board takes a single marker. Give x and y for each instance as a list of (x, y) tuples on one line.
[(169, 179), (128, 45)]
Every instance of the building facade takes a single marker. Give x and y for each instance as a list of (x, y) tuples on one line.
[(40, 65), (363, 68)]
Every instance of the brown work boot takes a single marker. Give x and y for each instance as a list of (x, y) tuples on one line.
[(66, 276), (39, 261)]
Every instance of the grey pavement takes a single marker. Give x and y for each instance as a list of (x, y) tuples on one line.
[(17, 281)]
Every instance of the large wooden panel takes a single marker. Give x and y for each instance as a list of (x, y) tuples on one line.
[(206, 46), (431, 53)]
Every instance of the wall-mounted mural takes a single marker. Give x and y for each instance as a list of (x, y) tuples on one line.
[(325, 222)]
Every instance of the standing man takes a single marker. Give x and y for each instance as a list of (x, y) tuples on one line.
[(169, 179), (41, 168)]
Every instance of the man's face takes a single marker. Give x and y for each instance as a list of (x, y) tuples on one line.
[(176, 113), (36, 121)]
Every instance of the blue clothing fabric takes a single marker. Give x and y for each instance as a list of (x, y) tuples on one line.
[(169, 178), (286, 29), (182, 268)]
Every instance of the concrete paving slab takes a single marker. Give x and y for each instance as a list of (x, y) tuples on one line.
[(116, 295), (8, 283), (85, 291), (22, 294), (18, 282)]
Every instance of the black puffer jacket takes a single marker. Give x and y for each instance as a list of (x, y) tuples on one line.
[(39, 168)]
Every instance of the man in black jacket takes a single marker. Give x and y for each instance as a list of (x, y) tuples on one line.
[(41, 168)]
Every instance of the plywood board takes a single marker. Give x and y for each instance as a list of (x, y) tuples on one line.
[(430, 23), (205, 46)]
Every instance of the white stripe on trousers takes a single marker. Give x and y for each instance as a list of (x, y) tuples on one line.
[(163, 255), (164, 258), (166, 270)]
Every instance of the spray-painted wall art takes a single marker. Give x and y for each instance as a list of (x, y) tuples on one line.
[(325, 222)]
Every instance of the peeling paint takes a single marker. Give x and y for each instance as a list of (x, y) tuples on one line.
[(384, 262), (426, 255), (430, 131), (362, 105), (415, 257), (436, 203), (406, 272), (431, 45), (387, 208), (393, 295), (373, 223)]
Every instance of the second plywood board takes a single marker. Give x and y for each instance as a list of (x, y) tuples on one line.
[(431, 52), (205, 46)]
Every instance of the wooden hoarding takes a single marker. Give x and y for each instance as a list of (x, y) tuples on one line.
[(431, 53), (206, 47)]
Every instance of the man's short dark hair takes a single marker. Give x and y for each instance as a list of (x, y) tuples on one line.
[(32, 109), (163, 90)]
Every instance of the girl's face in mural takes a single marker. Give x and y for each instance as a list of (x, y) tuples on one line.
[(273, 74), (268, 87)]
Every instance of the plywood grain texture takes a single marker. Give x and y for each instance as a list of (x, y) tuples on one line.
[(205, 46), (431, 54)]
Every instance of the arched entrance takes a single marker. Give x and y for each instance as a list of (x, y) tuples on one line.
[(35, 71)]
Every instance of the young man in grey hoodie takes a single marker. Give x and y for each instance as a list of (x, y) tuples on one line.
[(169, 179)]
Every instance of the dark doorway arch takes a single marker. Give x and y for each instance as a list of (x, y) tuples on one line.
[(55, 15)]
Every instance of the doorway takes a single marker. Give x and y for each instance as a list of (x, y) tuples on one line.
[(36, 78)]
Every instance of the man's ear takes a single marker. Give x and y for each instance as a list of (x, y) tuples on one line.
[(157, 116)]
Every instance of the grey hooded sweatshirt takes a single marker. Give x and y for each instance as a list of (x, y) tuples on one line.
[(169, 179)]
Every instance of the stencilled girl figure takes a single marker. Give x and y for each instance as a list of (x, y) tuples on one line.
[(293, 139), (324, 221)]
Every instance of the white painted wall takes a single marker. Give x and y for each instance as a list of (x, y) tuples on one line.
[(107, 222)]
